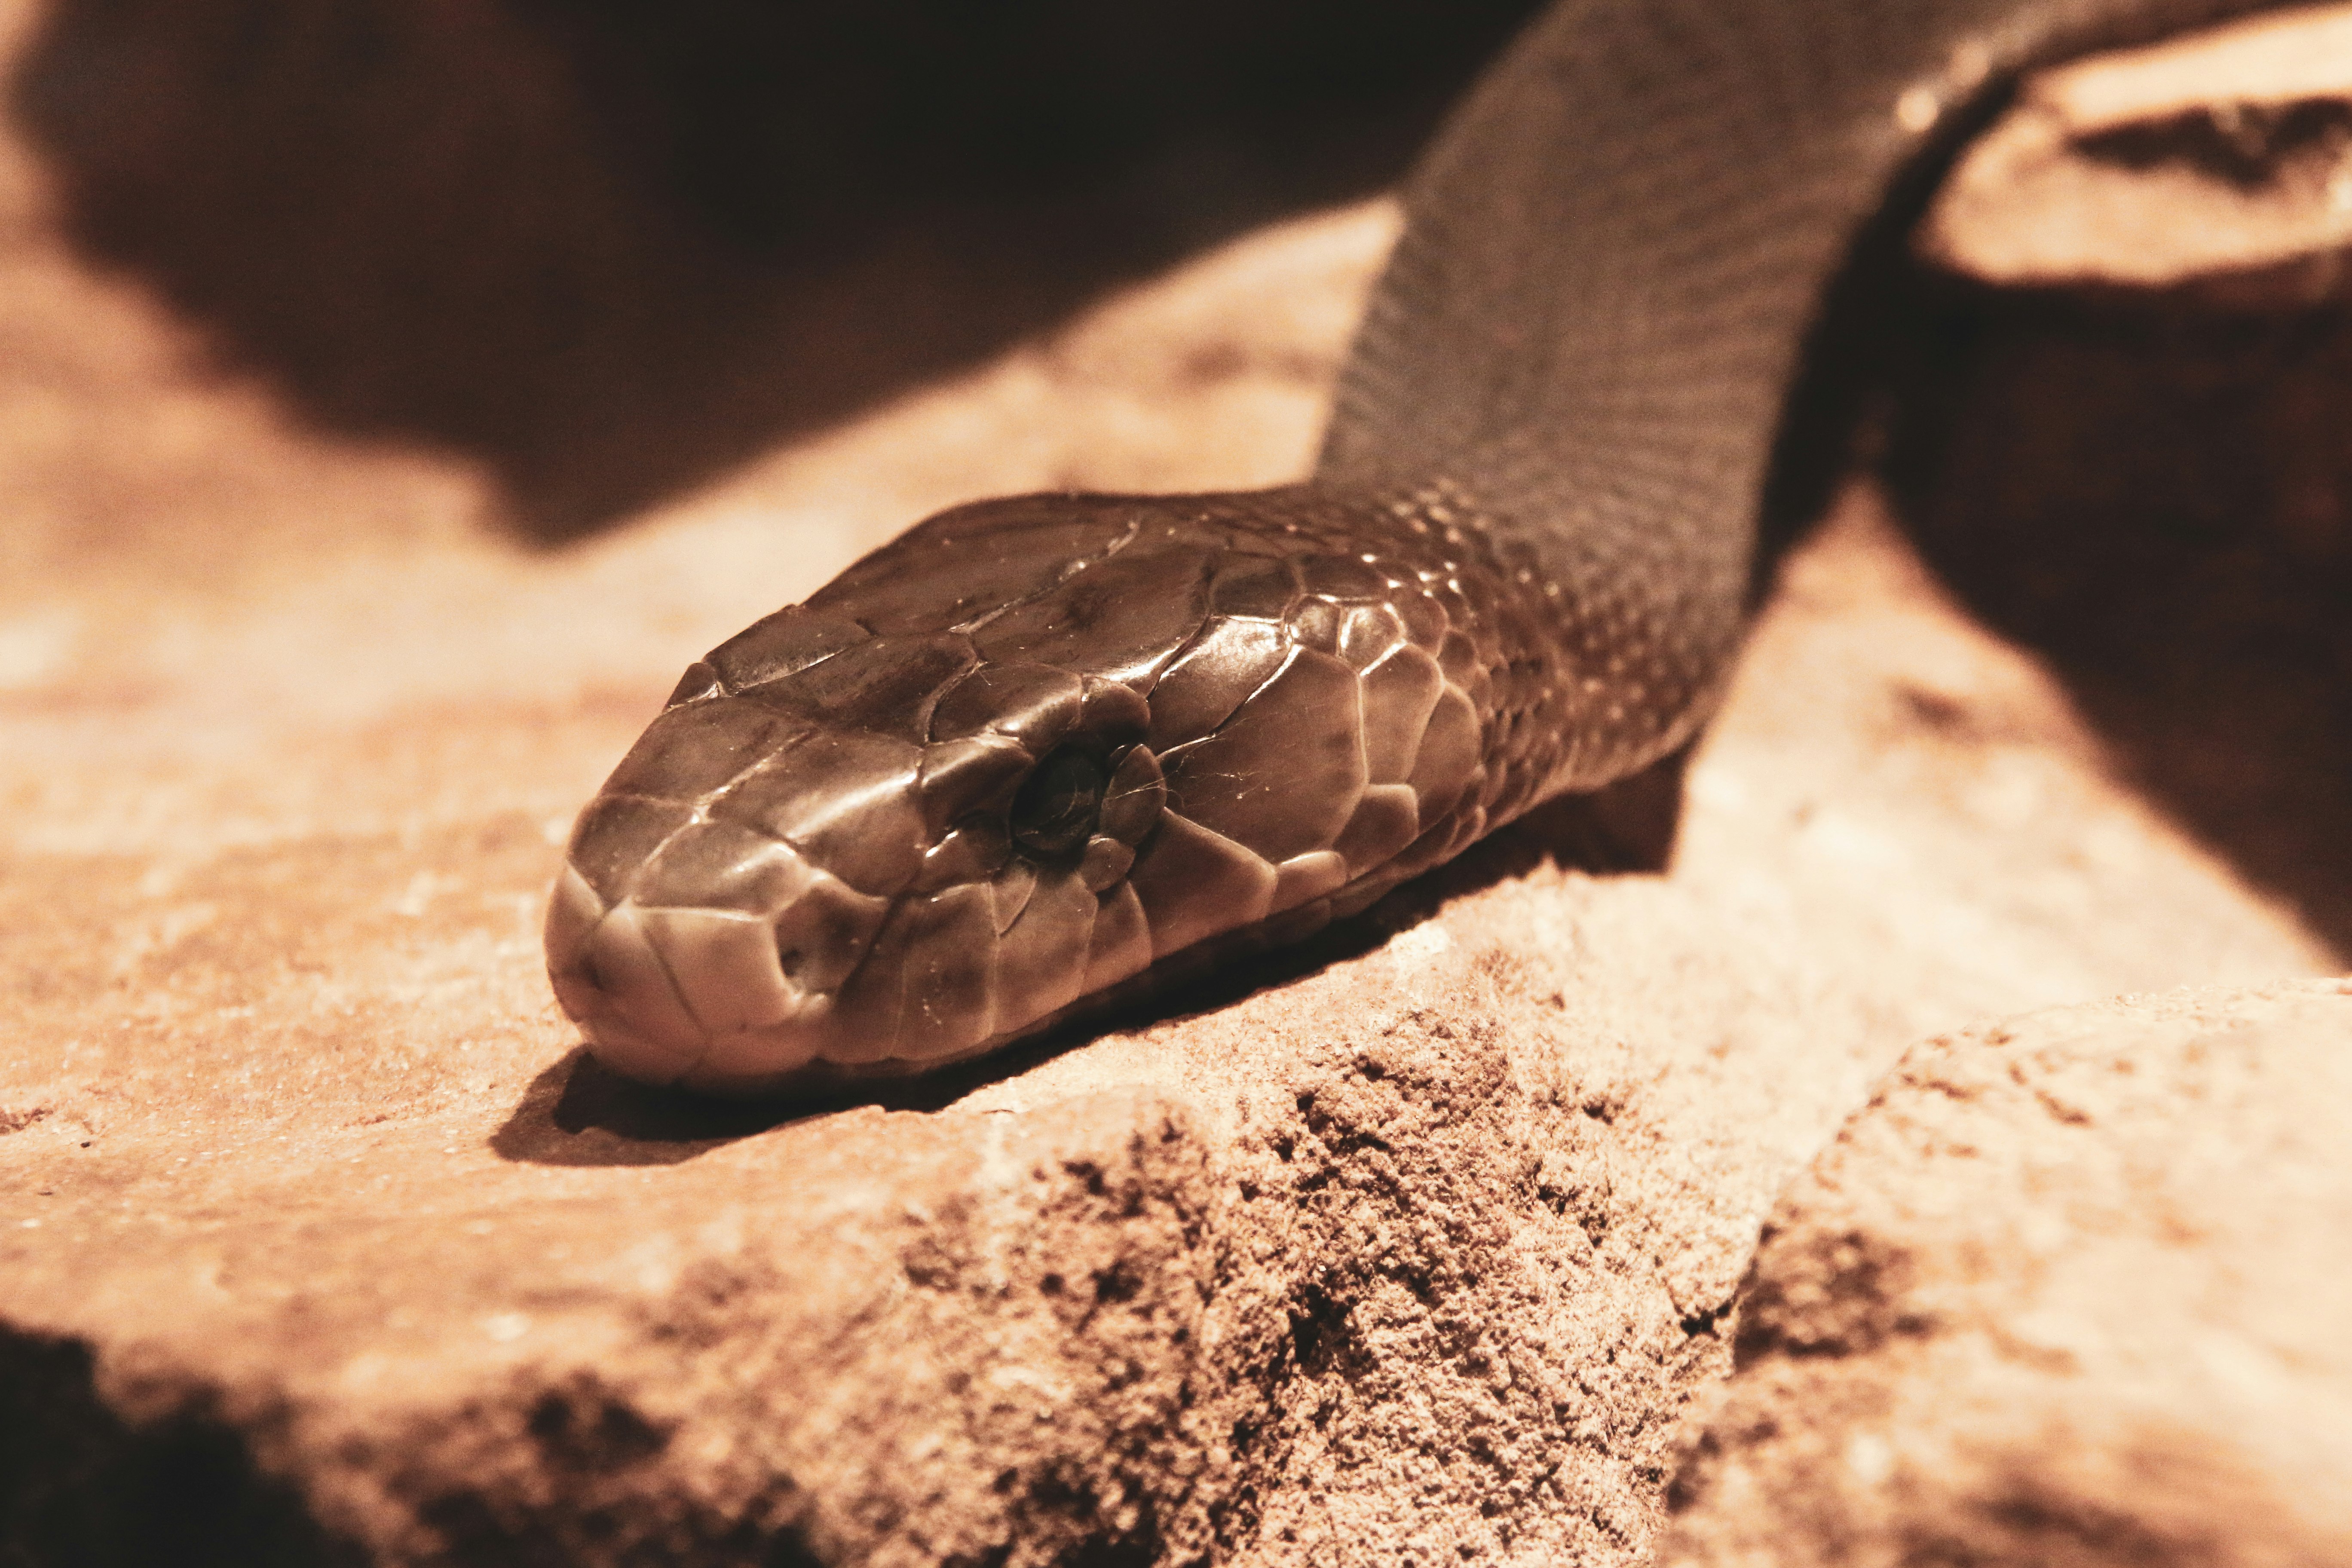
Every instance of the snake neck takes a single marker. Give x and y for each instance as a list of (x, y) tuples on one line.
[(1616, 260), (1578, 668)]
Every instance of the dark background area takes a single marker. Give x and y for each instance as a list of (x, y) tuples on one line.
[(611, 248)]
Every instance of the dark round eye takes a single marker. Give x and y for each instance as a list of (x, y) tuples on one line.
[(1057, 806)]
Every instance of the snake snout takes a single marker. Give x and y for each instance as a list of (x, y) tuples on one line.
[(715, 995)]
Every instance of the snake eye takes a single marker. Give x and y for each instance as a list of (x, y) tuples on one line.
[(1057, 806)]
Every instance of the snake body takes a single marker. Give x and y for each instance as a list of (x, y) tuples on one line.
[(1038, 750)]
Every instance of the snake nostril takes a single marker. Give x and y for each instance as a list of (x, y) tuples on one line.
[(792, 960)]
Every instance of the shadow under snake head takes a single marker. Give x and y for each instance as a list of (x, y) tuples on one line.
[(1002, 766)]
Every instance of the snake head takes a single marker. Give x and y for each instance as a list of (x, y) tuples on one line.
[(894, 854), (996, 768)]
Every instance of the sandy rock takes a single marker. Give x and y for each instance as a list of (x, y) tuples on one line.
[(321, 1242), (2070, 1290), (2221, 163)]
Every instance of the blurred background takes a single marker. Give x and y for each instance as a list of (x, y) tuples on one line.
[(610, 249)]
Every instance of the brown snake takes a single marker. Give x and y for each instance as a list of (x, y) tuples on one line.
[(1038, 750)]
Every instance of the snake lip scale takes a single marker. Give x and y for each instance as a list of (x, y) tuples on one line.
[(1038, 751)]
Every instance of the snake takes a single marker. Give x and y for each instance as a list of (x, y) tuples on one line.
[(1041, 752)]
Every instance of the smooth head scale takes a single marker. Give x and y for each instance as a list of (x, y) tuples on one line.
[(1004, 765)]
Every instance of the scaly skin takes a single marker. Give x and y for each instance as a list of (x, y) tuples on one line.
[(1291, 713), (1038, 751)]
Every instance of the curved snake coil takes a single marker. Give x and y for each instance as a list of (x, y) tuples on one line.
[(1038, 750)]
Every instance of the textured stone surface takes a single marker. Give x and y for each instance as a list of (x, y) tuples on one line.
[(2070, 1290), (318, 1243)]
